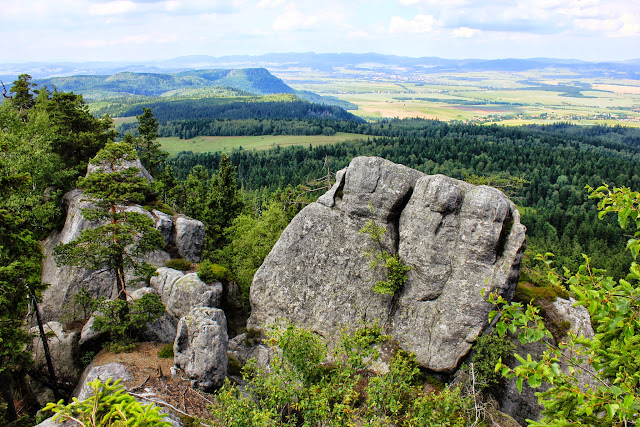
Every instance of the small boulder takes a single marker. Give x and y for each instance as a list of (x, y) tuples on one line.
[(188, 237), (115, 371), (201, 346), (189, 292)]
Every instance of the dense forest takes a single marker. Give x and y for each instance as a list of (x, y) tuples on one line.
[(543, 168), (277, 115)]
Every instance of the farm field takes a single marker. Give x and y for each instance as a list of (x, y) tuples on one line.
[(512, 98), (203, 144)]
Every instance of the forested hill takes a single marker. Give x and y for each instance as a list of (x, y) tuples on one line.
[(254, 80)]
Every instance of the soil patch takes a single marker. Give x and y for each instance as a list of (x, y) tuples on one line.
[(152, 378)]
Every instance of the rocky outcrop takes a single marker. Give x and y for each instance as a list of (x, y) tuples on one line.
[(458, 239), (184, 234), (200, 348)]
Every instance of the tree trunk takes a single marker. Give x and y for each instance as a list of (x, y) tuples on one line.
[(45, 346), (7, 396)]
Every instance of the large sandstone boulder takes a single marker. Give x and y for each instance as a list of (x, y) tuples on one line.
[(201, 346), (457, 238)]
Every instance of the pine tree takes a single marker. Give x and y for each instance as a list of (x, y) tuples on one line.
[(223, 204), (147, 145), (125, 235)]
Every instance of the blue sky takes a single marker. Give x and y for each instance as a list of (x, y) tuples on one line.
[(140, 30)]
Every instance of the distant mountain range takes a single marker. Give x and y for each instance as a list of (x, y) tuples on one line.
[(327, 62)]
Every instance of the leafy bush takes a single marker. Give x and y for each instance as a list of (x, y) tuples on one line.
[(396, 269), (178, 264), (488, 351), (123, 320), (110, 406), (302, 386), (166, 352), (210, 272), (610, 359)]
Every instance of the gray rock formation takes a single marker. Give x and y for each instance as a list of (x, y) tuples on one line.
[(580, 323), (90, 336), (115, 371), (181, 292), (523, 406), (241, 349), (120, 166), (200, 348), (188, 236), (64, 348), (185, 234), (457, 238)]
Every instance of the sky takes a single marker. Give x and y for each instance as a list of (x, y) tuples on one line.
[(143, 30)]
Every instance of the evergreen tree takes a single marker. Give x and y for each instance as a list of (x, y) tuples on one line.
[(125, 236), (22, 98), (223, 204), (20, 269), (77, 134), (147, 145)]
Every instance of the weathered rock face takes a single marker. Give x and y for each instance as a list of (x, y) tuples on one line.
[(64, 348), (115, 371), (185, 234), (457, 238), (201, 345)]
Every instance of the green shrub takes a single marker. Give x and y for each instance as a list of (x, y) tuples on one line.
[(87, 358), (166, 352), (123, 320), (488, 351), (210, 272), (110, 406), (302, 386), (178, 264), (445, 409), (396, 269)]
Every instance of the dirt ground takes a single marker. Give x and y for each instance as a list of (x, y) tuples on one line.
[(152, 374)]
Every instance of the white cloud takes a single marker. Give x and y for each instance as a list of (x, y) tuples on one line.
[(293, 19), (112, 8), (464, 32), (137, 39), (630, 25), (419, 24), (358, 34), (270, 3), (409, 2)]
